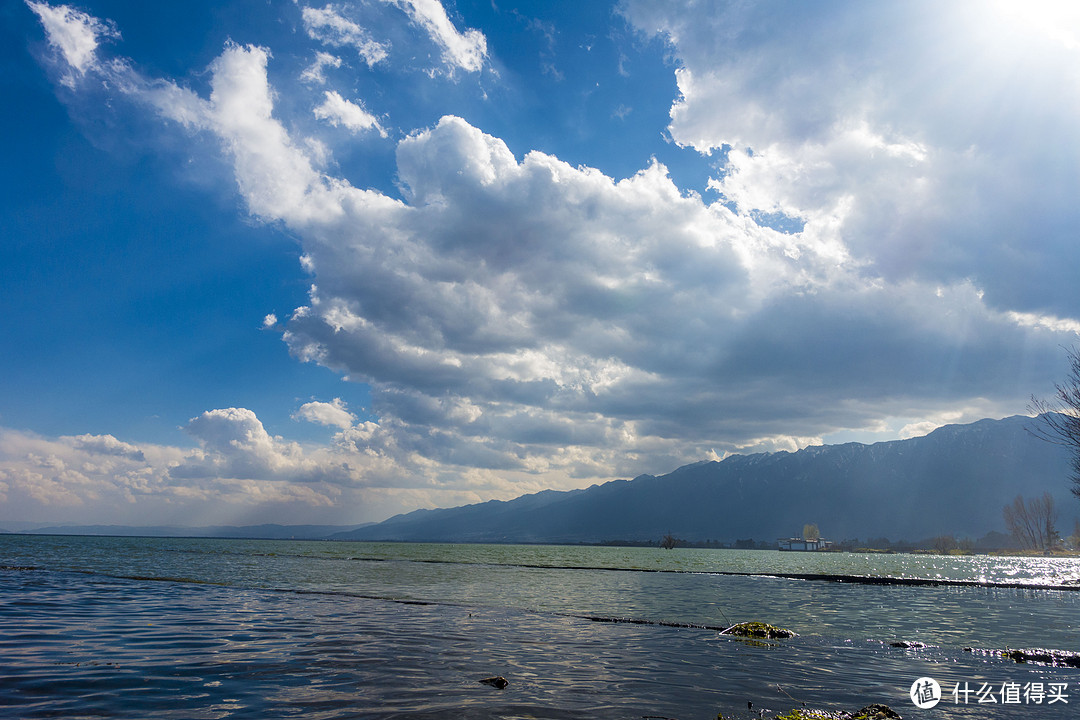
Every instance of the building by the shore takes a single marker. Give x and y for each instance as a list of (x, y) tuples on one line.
[(802, 544)]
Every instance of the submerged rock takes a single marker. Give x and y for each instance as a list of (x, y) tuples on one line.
[(909, 644), (757, 630), (497, 681), (1057, 658), (1040, 656)]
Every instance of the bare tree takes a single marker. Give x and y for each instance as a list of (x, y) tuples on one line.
[(944, 544), (1059, 418), (1019, 523), (810, 532), (1032, 522)]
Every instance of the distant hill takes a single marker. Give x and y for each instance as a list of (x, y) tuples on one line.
[(953, 481), (262, 532)]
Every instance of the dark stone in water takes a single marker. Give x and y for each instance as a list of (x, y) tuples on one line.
[(1054, 658), (1057, 658), (497, 681)]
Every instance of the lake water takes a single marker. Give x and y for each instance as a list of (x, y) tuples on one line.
[(195, 628)]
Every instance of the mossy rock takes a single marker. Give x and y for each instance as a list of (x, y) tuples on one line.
[(811, 714), (870, 712), (876, 712), (757, 630)]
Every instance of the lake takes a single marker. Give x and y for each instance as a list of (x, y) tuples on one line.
[(204, 628)]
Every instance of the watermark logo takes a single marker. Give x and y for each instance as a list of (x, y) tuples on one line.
[(925, 692), (1011, 693)]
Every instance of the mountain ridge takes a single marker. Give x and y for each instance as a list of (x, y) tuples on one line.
[(954, 480), (265, 531)]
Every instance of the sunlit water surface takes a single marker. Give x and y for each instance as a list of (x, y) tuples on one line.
[(195, 628)]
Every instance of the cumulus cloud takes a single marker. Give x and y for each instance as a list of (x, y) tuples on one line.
[(236, 445), (913, 142), (330, 27), (239, 112), (238, 473), (527, 323), (334, 413), (546, 308), (108, 445), (465, 50), (338, 111), (48, 474)]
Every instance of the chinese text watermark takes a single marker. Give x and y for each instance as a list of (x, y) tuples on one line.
[(927, 693)]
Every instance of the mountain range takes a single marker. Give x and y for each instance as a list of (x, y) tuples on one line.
[(263, 532), (954, 481)]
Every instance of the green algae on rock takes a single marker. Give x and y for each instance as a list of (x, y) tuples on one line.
[(757, 630), (875, 711)]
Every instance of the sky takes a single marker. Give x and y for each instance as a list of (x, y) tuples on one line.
[(303, 262)]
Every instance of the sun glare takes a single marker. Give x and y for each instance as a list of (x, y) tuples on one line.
[(1057, 20)]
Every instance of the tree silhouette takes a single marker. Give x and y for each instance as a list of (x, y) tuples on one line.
[(944, 544), (1032, 522), (1059, 418)]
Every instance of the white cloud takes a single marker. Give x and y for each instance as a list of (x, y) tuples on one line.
[(49, 474), (580, 318), (274, 174), (239, 113), (239, 474), (237, 446), (108, 445), (916, 142), (338, 111), (75, 34), (315, 72), (1048, 322), (334, 413), (92, 479), (466, 50), (330, 27), (527, 323), (545, 321)]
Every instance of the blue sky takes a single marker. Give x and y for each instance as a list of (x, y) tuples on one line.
[(311, 262)]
